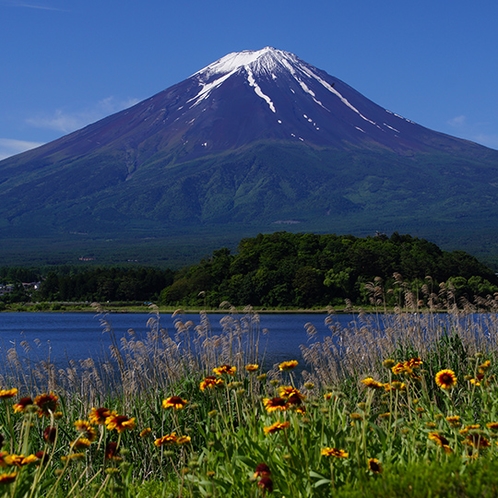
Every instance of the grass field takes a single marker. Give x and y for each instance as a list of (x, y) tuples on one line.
[(409, 411)]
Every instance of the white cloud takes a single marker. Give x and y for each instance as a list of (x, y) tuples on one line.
[(16, 3), (457, 121), (66, 121), (10, 147)]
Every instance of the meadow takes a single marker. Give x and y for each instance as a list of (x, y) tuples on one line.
[(409, 408)]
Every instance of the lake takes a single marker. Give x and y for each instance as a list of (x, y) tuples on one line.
[(60, 337), (76, 336)]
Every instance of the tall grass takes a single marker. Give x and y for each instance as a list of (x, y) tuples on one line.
[(194, 413)]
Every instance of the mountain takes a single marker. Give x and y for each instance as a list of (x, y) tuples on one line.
[(256, 141)]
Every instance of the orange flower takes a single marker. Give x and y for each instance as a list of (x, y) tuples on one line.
[(274, 404), (8, 393), (210, 382), (288, 365), (446, 379), (252, 367), (98, 416), (146, 432), (372, 384), (277, 426), (288, 392), (80, 443), (225, 369), (439, 439), (8, 478), (119, 422), (87, 429), (335, 452), (46, 403), (174, 402), (21, 405), (167, 439)]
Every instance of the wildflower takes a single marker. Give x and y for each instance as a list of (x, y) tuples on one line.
[(288, 365), (210, 382), (73, 456), (374, 465), (87, 429), (262, 470), (484, 366), (8, 478), (168, 439), (49, 434), (21, 405), (492, 425), (80, 443), (111, 451), (277, 426), (119, 422), (146, 432), (8, 393), (46, 403), (388, 363), (19, 460), (454, 420), (274, 404), (371, 383), (225, 369), (98, 416), (328, 396), (356, 416), (334, 452), (309, 385), (439, 439), (385, 415), (183, 440), (252, 367), (288, 392), (446, 379), (266, 484), (174, 402), (467, 428), (477, 441), (262, 377)]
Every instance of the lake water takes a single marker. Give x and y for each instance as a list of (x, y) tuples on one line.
[(60, 337), (76, 336)]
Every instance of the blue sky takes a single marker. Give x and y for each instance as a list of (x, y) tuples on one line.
[(67, 63)]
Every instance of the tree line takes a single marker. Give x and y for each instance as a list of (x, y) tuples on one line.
[(304, 270), (278, 270)]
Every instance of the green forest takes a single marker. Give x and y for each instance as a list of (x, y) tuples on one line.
[(304, 270), (279, 270)]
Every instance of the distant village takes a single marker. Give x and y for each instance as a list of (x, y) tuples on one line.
[(28, 286)]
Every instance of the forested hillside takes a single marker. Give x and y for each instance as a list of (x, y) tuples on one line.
[(306, 270)]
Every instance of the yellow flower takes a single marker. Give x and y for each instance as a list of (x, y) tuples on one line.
[(210, 382), (119, 422), (225, 369), (8, 478), (87, 429), (81, 443), (145, 432), (439, 439), (335, 452), (277, 426), (167, 439), (374, 465), (446, 379), (174, 402), (98, 416), (492, 425), (8, 393), (288, 365), (183, 440), (252, 367), (454, 420), (372, 384), (22, 404), (274, 404), (288, 392)]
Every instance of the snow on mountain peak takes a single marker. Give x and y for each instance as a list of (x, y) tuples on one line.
[(267, 58)]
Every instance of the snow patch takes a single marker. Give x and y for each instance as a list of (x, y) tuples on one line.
[(358, 128), (391, 128), (257, 89)]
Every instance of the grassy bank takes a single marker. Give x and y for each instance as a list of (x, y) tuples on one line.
[(411, 411)]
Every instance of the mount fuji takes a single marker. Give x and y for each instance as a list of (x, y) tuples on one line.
[(256, 141)]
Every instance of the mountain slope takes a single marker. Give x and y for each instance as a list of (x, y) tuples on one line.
[(255, 141)]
